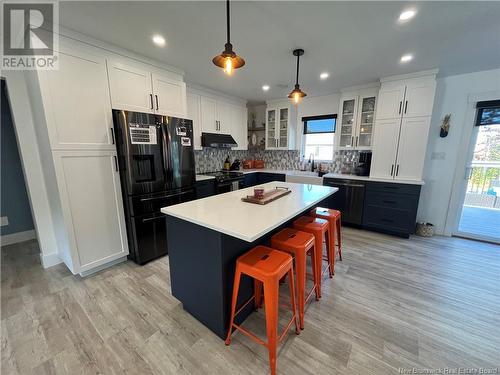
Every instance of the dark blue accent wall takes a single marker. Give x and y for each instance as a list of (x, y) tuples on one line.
[(14, 198)]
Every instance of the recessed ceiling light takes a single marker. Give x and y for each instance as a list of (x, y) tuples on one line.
[(324, 75), (406, 58), (265, 87), (159, 40), (407, 14)]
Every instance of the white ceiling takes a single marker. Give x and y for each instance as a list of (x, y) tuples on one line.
[(356, 42)]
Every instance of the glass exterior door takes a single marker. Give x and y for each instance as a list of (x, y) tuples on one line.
[(366, 122), (271, 129), (283, 128), (348, 123)]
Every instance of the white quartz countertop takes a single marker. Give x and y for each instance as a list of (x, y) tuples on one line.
[(372, 179), (226, 212)]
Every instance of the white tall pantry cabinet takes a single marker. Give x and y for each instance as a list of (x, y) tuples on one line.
[(76, 106), (402, 123)]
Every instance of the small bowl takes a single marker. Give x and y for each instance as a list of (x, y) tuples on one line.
[(258, 193)]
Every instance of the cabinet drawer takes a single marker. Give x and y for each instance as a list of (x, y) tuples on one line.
[(393, 188), (389, 219), (392, 200)]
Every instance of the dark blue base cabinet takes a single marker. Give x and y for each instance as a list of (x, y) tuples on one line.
[(391, 208), (384, 207)]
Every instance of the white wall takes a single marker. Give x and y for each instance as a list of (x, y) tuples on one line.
[(452, 95)]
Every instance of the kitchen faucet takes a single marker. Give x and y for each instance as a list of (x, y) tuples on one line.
[(312, 163)]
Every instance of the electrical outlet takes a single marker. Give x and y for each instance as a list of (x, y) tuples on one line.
[(438, 156), (4, 220)]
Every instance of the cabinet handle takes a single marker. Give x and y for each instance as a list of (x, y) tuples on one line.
[(397, 169), (352, 141), (112, 136), (116, 163), (406, 106), (156, 97), (357, 139), (151, 98), (392, 169), (390, 202), (400, 104)]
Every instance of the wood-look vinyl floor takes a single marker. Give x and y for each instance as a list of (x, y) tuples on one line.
[(393, 303)]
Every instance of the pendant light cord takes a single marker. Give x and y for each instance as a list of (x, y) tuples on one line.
[(297, 78), (228, 26)]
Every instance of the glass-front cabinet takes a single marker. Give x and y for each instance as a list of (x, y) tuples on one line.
[(278, 128), (271, 141), (356, 120)]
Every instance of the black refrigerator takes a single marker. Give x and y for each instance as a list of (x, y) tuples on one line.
[(156, 163)]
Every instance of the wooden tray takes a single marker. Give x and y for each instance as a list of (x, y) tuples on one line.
[(269, 196)]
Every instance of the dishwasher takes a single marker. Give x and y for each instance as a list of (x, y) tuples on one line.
[(349, 199)]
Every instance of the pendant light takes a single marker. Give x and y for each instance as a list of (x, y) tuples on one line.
[(297, 94), (228, 60)]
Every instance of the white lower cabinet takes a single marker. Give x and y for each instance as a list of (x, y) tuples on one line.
[(91, 201)]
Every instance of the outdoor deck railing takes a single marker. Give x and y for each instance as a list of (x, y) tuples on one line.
[(483, 188)]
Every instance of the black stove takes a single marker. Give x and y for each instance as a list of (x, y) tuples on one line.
[(225, 176), (227, 180)]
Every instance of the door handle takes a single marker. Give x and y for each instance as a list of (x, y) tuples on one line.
[(154, 218), (392, 169), (112, 136), (400, 104), (397, 170), (116, 162), (151, 98), (156, 97), (406, 106), (468, 173)]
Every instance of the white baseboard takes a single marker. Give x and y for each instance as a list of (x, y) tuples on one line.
[(49, 260), (9, 239)]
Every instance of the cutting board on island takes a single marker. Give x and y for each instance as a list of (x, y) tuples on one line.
[(268, 197)]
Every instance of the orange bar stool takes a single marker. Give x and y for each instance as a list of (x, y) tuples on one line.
[(299, 245), (319, 228), (266, 266), (334, 217)]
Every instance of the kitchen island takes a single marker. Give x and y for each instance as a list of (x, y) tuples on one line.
[(206, 236)]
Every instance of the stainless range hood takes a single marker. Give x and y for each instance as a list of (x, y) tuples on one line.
[(216, 140)]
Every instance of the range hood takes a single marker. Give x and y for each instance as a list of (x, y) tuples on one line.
[(216, 140)]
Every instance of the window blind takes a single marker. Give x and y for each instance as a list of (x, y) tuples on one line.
[(488, 113), (320, 124)]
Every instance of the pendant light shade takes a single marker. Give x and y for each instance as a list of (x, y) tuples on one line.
[(228, 59), (297, 94)]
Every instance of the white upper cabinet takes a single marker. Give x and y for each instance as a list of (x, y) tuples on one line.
[(402, 126), (76, 101), (130, 87), (390, 101), (218, 115), (194, 113), (225, 117), (169, 95), (138, 89), (419, 98), (89, 184), (280, 126), (209, 122), (412, 145), (356, 119)]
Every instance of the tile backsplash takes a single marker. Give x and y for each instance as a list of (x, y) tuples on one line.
[(212, 159)]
